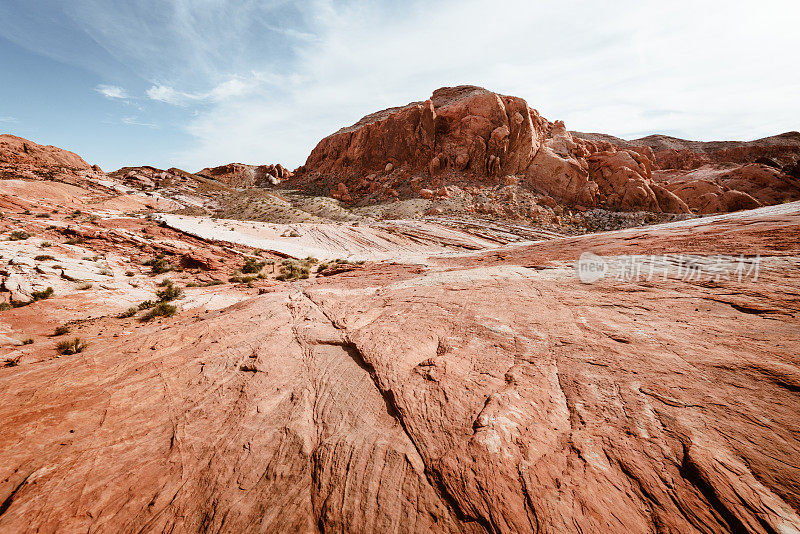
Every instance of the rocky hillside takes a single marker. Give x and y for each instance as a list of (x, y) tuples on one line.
[(21, 158), (241, 175), (468, 136)]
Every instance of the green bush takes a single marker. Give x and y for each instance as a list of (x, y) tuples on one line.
[(252, 266), (169, 293), (237, 278), (44, 257), (41, 295), (294, 270), (158, 265), (162, 309)]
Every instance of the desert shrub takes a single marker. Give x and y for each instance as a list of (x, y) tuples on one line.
[(192, 284), (41, 295), (294, 270), (162, 309), (169, 293), (252, 266), (61, 330), (130, 312), (44, 257), (42, 215), (72, 346), (128, 273), (237, 278), (74, 241), (27, 341), (158, 265), (84, 286), (5, 306), (213, 283), (45, 244), (18, 235), (11, 362), (146, 305), (165, 282)]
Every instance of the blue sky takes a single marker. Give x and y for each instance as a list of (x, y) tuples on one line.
[(192, 83)]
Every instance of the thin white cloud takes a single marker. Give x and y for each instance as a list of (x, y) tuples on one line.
[(224, 91), (8, 119), (165, 93), (113, 92), (133, 121)]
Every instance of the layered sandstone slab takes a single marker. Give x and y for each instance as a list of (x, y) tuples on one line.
[(485, 392)]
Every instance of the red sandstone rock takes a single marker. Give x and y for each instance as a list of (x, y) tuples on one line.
[(470, 136), (718, 189), (489, 392), (18, 151), (241, 175)]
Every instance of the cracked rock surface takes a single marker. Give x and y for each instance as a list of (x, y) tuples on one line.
[(484, 392)]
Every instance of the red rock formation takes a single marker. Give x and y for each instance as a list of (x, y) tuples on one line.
[(470, 136), (722, 176), (241, 175), (723, 188), (21, 152), (20, 158)]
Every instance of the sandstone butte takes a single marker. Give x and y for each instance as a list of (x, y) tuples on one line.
[(486, 389), (469, 135)]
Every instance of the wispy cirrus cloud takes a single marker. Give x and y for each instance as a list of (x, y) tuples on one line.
[(232, 88), (8, 119), (113, 92), (134, 121)]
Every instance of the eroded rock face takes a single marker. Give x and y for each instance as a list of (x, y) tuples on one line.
[(719, 176), (241, 175), (724, 188), (417, 398), (18, 151), (468, 136), (21, 158)]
